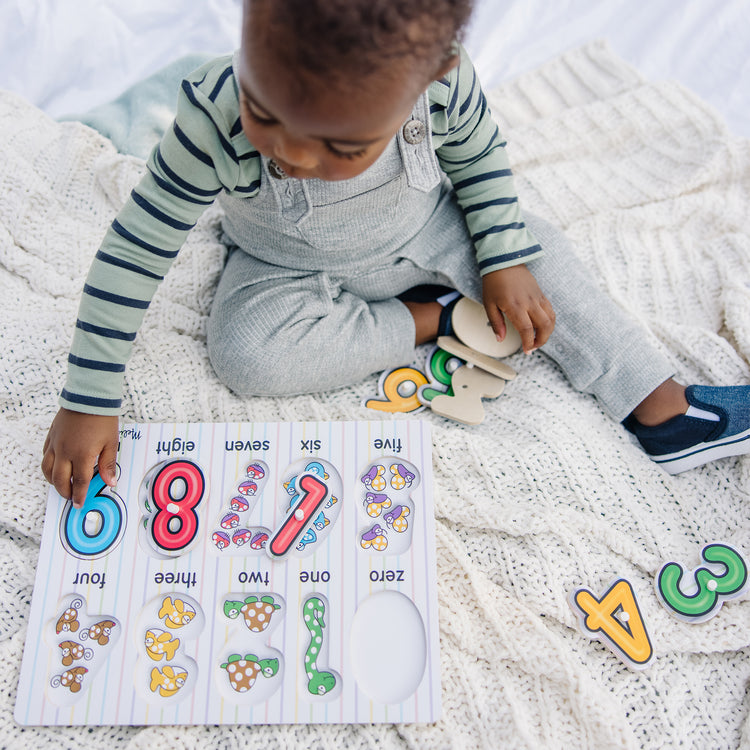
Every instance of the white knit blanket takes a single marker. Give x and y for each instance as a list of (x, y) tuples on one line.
[(546, 495)]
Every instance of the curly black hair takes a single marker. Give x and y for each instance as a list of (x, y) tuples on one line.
[(356, 37)]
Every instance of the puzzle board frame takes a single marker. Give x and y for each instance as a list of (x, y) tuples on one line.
[(128, 583)]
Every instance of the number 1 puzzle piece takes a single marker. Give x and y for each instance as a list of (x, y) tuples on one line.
[(614, 619), (313, 493)]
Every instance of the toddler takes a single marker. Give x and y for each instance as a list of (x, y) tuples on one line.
[(359, 169)]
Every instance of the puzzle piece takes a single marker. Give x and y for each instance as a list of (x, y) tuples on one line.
[(697, 595), (319, 682), (96, 528), (614, 619), (314, 488), (452, 345), (440, 366), (398, 389), (470, 385), (170, 496), (472, 326)]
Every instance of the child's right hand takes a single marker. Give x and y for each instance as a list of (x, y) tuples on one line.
[(515, 292), (76, 444)]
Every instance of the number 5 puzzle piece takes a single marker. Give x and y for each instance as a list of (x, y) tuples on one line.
[(470, 384)]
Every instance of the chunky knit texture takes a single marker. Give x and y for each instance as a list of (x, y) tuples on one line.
[(546, 495)]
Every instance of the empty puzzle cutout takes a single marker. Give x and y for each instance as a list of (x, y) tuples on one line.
[(385, 491), (81, 644), (388, 646), (250, 671), (234, 533), (164, 673)]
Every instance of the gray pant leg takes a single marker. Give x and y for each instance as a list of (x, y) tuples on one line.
[(600, 349), (277, 332)]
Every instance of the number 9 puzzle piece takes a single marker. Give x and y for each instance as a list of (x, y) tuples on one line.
[(399, 388)]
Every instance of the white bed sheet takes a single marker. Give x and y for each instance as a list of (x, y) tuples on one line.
[(66, 56)]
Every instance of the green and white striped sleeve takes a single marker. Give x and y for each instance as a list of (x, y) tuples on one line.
[(472, 153), (186, 171)]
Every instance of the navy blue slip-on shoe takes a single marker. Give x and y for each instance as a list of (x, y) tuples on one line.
[(684, 442)]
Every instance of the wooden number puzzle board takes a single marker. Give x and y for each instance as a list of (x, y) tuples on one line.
[(241, 573)]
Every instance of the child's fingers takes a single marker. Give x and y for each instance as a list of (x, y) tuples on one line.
[(59, 475), (497, 321), (107, 464), (48, 462), (526, 330), (544, 323), (79, 485)]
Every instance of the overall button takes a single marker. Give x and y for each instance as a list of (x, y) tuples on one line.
[(276, 171), (414, 132)]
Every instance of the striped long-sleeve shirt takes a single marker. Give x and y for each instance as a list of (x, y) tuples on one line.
[(204, 152)]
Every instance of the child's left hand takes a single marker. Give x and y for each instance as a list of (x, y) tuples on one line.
[(515, 292)]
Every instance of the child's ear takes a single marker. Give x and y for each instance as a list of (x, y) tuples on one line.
[(447, 65)]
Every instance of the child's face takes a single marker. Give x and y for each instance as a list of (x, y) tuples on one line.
[(309, 126)]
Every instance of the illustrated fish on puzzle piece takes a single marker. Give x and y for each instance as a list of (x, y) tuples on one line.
[(177, 612), (167, 680), (309, 537), (159, 643)]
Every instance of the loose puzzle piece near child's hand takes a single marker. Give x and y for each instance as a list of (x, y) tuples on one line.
[(237, 574), (460, 373)]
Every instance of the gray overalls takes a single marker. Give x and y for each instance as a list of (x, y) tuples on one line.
[(307, 299)]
